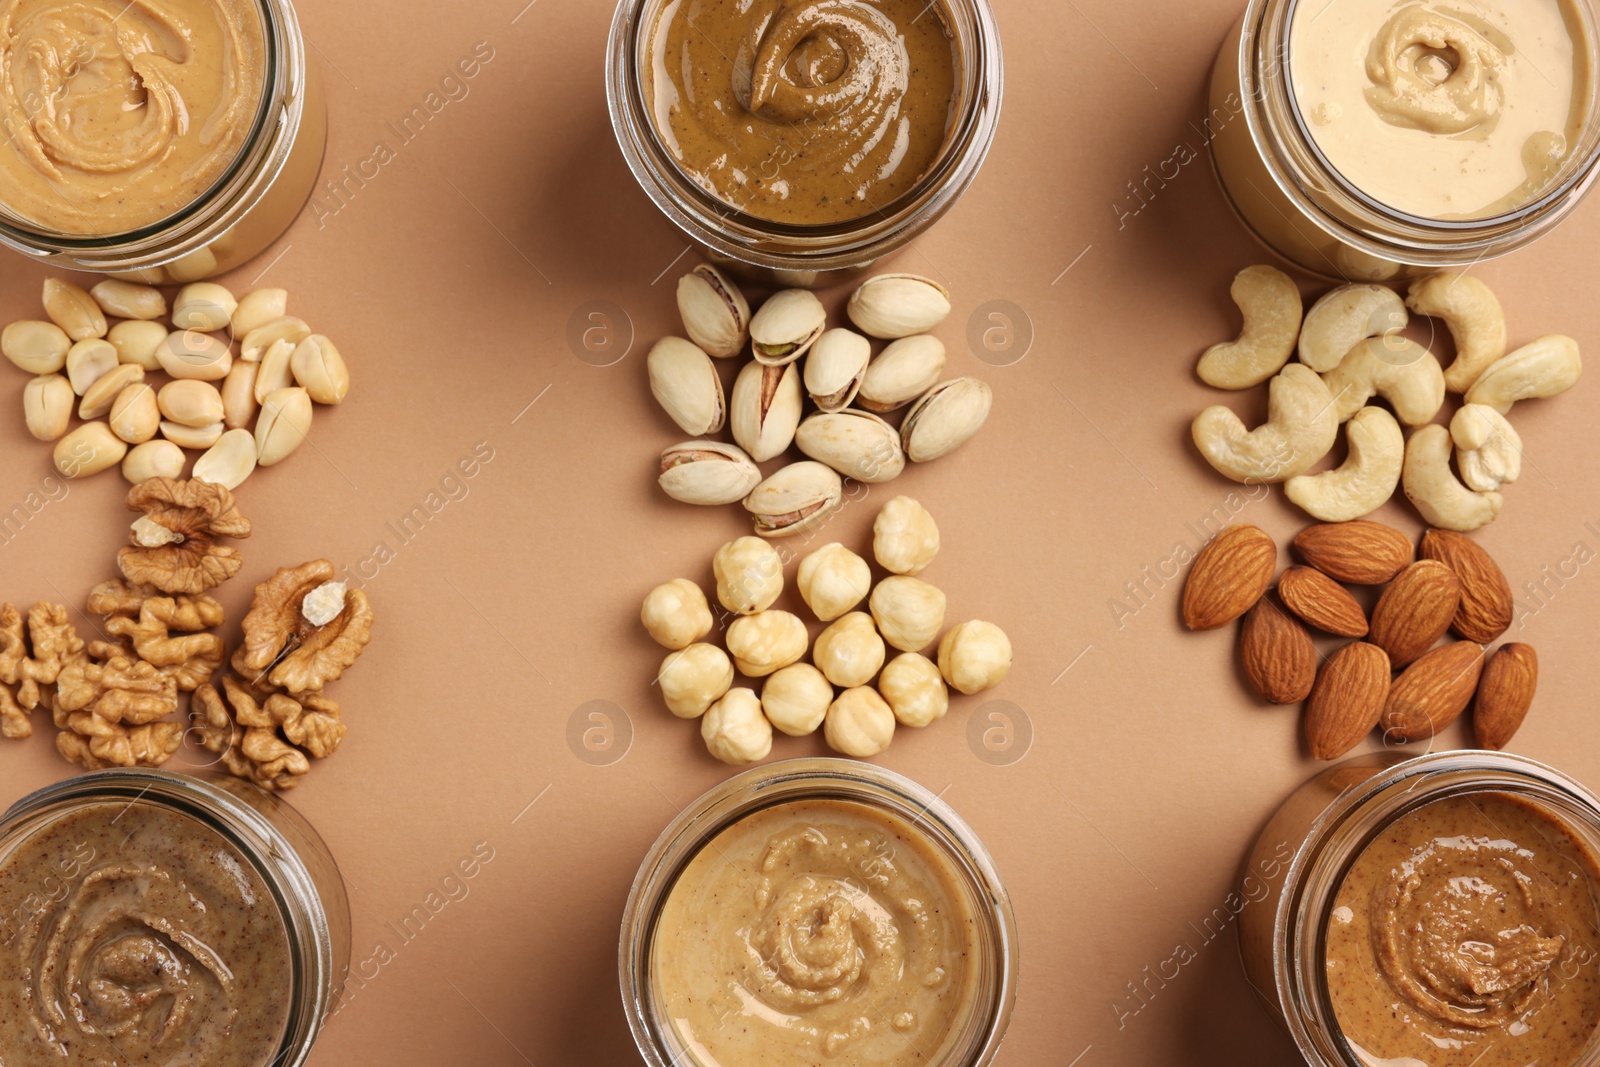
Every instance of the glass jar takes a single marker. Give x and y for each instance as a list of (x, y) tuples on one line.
[(248, 208), (809, 256), (821, 779), (1297, 865), (273, 837), (1298, 205)]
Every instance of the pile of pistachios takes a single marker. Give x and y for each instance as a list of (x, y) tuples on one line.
[(766, 409)]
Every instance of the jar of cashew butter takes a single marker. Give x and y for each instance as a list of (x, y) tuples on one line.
[(800, 142), (155, 918), (162, 142), (818, 911), (1440, 911), (1372, 140)]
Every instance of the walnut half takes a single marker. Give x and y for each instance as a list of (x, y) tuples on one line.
[(285, 647), (174, 545), (252, 732)]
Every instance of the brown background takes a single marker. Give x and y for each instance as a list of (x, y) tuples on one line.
[(450, 281)]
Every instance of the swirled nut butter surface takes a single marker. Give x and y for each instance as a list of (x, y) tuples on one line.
[(120, 113), (804, 112), (1443, 109), (816, 932), (1468, 932), (134, 936)]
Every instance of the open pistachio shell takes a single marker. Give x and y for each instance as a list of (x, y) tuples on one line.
[(787, 325), (796, 498), (765, 409), (834, 368), (707, 472), (857, 444), (898, 305), (945, 418), (715, 313), (685, 384), (903, 371)]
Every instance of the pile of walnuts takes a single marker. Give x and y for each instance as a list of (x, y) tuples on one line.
[(115, 699)]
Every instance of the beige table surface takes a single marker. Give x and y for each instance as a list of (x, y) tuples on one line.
[(450, 281)]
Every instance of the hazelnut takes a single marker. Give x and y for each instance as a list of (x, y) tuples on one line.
[(694, 679), (676, 613), (849, 652), (734, 729), (909, 612), (975, 656), (833, 580), (904, 536), (796, 699), (766, 642), (914, 689), (749, 575), (859, 723)]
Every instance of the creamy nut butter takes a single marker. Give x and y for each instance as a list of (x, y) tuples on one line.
[(1468, 933), (1443, 110), (131, 934), (816, 931), (804, 112), (118, 114)]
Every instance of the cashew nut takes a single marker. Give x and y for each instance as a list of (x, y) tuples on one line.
[(1299, 431), (1473, 316), (1366, 479), (1539, 368), (1344, 318), (1431, 485), (1395, 368), (1488, 449), (1270, 302)]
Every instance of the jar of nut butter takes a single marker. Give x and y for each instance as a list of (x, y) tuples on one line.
[(1440, 911), (155, 918), (800, 141), (158, 142), (1371, 140), (818, 911)]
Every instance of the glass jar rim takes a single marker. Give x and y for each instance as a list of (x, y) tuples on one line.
[(254, 837), (282, 80), (760, 242), (790, 780), (1319, 865)]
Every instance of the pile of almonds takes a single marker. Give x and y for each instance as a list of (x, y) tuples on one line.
[(101, 350), (1393, 673), (797, 698), (851, 389)]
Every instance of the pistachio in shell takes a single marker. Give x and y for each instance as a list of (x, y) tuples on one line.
[(684, 382), (795, 499), (835, 367), (765, 409), (716, 315), (945, 418), (707, 472), (786, 326), (857, 444), (903, 371), (892, 306)]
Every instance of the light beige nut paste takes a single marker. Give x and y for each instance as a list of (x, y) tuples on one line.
[(816, 931), (1439, 109), (120, 113)]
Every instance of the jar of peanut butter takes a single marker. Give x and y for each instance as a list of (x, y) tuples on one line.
[(818, 910), (800, 141), (1440, 911), (1369, 140), (163, 142), (157, 918)]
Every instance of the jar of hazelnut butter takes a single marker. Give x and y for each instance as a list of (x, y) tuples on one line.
[(818, 911), (800, 142), (1440, 911), (1370, 140), (155, 918), (162, 142)]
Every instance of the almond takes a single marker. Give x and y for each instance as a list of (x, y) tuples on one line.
[(1486, 605), (1360, 552), (1347, 699), (1432, 692), (1322, 602), (1415, 611), (1228, 577), (1510, 678), (1279, 657)]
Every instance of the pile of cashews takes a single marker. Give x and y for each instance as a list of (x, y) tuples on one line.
[(1350, 350)]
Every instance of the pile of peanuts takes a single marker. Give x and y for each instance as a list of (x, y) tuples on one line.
[(797, 698), (101, 349)]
